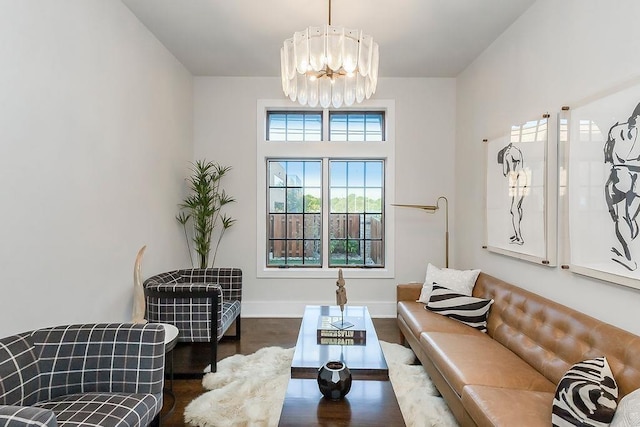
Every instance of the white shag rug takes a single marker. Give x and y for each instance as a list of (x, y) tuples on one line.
[(249, 390)]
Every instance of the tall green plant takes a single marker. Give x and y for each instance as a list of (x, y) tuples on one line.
[(202, 210)]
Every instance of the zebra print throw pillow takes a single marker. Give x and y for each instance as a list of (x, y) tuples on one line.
[(586, 395), (471, 311)]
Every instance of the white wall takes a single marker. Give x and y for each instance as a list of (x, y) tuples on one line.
[(95, 136), (225, 131), (556, 54)]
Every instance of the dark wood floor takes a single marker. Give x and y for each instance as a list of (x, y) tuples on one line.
[(190, 359)]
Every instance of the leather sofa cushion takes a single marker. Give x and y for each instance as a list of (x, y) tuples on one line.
[(495, 406), (421, 320), (479, 360)]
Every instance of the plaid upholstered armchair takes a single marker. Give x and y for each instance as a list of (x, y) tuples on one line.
[(197, 301), (107, 374)]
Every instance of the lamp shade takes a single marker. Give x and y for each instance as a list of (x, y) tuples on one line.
[(329, 65)]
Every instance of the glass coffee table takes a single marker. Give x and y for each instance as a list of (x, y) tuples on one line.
[(371, 400)]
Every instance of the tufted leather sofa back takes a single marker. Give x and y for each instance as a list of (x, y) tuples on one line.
[(552, 337)]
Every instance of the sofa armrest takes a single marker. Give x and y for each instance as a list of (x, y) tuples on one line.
[(183, 290), (163, 278), (103, 358), (22, 416), (408, 291)]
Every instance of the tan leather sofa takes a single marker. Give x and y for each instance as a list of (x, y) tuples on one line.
[(508, 376)]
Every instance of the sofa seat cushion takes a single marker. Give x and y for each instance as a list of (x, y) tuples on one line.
[(479, 360), (104, 409), (230, 310), (496, 406), (419, 320)]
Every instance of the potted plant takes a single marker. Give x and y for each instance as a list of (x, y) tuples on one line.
[(202, 209)]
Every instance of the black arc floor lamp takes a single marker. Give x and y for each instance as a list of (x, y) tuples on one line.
[(432, 209)]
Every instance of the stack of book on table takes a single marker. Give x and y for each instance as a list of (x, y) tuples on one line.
[(354, 333)]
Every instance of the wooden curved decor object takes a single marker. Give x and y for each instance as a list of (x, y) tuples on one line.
[(138, 291)]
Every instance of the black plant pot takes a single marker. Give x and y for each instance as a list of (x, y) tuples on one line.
[(334, 380)]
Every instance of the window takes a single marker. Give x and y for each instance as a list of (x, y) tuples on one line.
[(356, 216), (356, 126), (294, 209), (323, 203), (307, 126), (294, 126)]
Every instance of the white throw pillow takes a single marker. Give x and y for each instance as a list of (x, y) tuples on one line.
[(461, 281), (628, 412)]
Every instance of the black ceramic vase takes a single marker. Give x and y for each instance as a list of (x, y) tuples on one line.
[(334, 380)]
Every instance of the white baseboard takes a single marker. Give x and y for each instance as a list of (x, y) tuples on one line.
[(296, 308)]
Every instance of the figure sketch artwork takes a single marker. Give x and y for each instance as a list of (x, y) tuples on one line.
[(515, 199), (604, 193), (513, 168)]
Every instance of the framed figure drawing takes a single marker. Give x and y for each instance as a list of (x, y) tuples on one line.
[(604, 187), (521, 197)]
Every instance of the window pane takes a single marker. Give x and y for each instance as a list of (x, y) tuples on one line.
[(374, 254), (373, 174), (374, 127), (355, 174), (277, 127), (294, 227), (337, 252), (338, 200), (312, 174), (295, 174), (295, 251), (338, 127), (354, 229), (338, 226), (312, 200), (294, 200), (295, 127), (277, 173), (276, 200), (373, 226), (312, 253), (277, 252), (277, 226), (373, 200), (313, 127), (338, 173), (312, 226), (355, 200), (355, 127)]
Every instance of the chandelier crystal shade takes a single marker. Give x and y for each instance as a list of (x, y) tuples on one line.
[(329, 65)]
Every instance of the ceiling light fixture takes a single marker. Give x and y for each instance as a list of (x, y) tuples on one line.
[(329, 65)]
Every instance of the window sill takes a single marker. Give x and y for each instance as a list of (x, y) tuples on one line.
[(323, 273)]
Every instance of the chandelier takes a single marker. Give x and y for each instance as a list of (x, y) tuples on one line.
[(329, 65)]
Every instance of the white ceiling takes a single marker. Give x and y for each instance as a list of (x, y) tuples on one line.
[(417, 38)]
